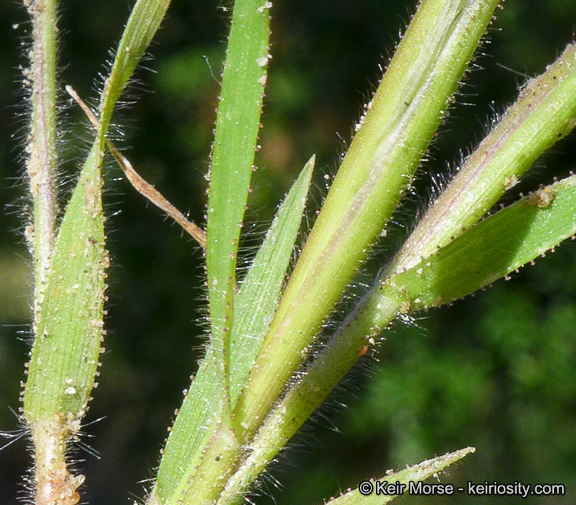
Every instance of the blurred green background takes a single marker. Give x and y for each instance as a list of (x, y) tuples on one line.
[(495, 371)]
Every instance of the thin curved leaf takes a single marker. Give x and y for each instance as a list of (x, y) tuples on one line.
[(262, 286), (384, 490)]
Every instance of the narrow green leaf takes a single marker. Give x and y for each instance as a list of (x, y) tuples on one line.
[(398, 126), (401, 482), (262, 285), (492, 249), (237, 124), (194, 426), (141, 27)]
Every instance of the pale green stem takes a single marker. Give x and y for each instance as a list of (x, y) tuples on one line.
[(50, 471), (399, 124), (544, 113), (42, 159)]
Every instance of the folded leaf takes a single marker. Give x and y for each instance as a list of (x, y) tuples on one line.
[(65, 352), (492, 249)]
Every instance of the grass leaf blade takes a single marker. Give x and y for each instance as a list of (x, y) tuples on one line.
[(262, 286), (236, 135), (492, 249), (141, 27)]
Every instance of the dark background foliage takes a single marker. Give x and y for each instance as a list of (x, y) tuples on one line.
[(495, 371)]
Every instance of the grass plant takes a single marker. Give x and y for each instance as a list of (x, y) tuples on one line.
[(270, 360)]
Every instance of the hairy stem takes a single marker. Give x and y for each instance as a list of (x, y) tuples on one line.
[(53, 482), (41, 149)]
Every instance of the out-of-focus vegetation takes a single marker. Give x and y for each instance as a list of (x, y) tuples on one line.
[(496, 372)]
